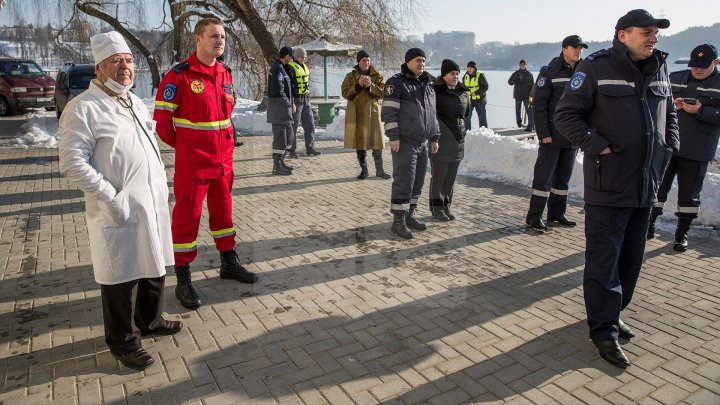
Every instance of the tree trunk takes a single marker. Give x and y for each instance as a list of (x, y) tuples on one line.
[(151, 60), (251, 18)]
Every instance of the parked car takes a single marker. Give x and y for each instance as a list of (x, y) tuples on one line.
[(23, 84), (71, 80)]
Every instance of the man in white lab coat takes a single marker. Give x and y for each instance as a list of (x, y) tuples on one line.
[(108, 150)]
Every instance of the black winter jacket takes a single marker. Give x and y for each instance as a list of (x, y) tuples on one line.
[(453, 105), (547, 91), (280, 98), (523, 81), (613, 102), (408, 108), (699, 132)]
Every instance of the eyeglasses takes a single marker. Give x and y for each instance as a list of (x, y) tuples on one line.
[(117, 61)]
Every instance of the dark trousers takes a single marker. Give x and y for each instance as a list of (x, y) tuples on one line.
[(131, 309), (282, 137), (690, 177), (481, 113), (303, 115), (615, 245), (409, 167), (553, 169), (442, 183), (528, 108)]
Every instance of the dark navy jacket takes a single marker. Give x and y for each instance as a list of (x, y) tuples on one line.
[(408, 108), (453, 105), (699, 132), (523, 81), (547, 91), (614, 102), (280, 99)]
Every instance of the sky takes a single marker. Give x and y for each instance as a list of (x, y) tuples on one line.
[(512, 21)]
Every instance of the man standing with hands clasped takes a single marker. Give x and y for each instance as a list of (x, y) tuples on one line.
[(619, 110), (408, 111)]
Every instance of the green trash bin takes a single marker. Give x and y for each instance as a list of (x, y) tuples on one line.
[(326, 113)]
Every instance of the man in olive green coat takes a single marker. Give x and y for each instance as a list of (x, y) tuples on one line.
[(363, 88)]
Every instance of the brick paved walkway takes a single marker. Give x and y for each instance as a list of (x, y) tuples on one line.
[(476, 310)]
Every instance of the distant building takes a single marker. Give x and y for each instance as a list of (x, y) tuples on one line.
[(461, 40)]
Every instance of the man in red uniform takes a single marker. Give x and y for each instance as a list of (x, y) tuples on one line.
[(192, 110)]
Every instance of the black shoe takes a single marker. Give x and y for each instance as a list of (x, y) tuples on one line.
[(562, 220), (381, 173), (624, 331), (293, 155), (448, 213), (239, 143), (279, 169), (537, 224), (681, 240), (230, 267), (439, 214), (412, 222), (137, 360), (680, 245), (399, 227), (184, 290), (651, 226), (167, 328), (611, 351), (313, 152), (363, 172)]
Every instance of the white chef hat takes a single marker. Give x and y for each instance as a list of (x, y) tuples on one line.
[(107, 44)]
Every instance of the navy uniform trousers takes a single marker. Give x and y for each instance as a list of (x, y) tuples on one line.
[(409, 167), (615, 245), (303, 115), (553, 169), (282, 137), (690, 175)]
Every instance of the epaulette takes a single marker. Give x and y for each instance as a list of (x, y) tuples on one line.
[(602, 52), (180, 67), (226, 67), (397, 75)]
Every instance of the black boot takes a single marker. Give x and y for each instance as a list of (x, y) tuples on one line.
[(412, 222), (230, 267), (278, 169), (681, 242), (184, 290), (438, 213), (379, 171), (651, 226), (448, 213), (361, 155), (282, 162), (399, 227)]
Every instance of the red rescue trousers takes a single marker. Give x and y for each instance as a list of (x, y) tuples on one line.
[(189, 196)]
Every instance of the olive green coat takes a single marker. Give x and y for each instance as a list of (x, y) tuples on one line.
[(363, 129)]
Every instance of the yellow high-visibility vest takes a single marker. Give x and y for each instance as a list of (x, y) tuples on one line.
[(473, 83), (302, 76)]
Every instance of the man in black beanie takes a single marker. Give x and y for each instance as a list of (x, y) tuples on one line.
[(408, 111)]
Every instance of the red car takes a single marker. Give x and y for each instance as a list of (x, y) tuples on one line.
[(23, 84)]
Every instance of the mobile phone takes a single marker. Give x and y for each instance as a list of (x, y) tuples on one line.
[(689, 100)]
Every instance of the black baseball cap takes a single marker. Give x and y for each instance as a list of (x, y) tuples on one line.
[(702, 56), (640, 18), (574, 41)]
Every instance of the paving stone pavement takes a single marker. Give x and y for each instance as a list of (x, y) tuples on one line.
[(475, 310)]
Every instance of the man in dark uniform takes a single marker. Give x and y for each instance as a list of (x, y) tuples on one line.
[(478, 85), (697, 100), (523, 82), (280, 111), (618, 109), (556, 156), (408, 111)]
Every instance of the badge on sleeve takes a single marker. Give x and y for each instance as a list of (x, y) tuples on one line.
[(541, 81), (577, 80), (169, 92), (389, 90), (197, 86)]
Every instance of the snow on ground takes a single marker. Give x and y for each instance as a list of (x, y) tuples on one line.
[(487, 155)]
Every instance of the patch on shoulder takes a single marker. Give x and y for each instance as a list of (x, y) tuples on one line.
[(577, 80), (541, 81), (389, 89), (169, 92), (600, 53)]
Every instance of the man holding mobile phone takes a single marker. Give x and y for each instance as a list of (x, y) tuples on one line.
[(695, 92)]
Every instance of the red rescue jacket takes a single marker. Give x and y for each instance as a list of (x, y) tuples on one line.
[(193, 110)]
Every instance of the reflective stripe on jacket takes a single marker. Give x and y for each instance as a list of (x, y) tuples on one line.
[(699, 133), (193, 110)]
